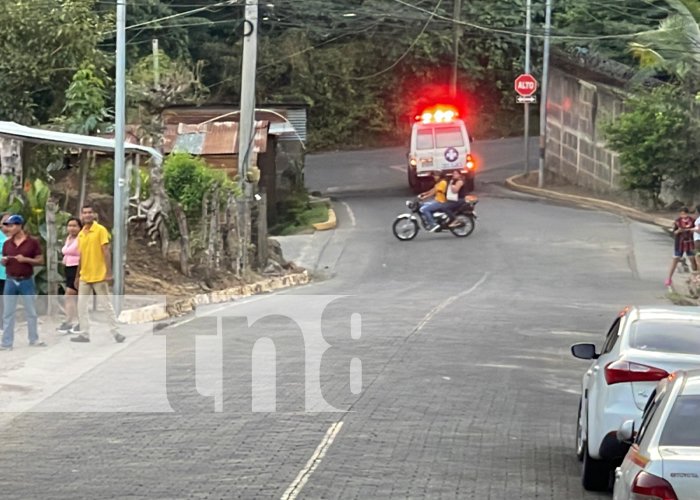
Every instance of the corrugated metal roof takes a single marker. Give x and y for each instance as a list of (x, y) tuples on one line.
[(297, 118), (216, 138)]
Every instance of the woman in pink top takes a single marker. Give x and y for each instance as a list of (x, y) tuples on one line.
[(71, 259)]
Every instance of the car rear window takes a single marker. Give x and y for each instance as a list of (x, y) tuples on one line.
[(666, 336), (449, 137), (424, 140), (683, 425)]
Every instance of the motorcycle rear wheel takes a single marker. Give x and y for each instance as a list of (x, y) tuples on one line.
[(468, 224), (405, 229)]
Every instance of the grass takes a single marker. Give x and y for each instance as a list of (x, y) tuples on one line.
[(303, 221)]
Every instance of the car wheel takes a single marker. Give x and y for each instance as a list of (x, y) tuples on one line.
[(580, 441), (596, 473)]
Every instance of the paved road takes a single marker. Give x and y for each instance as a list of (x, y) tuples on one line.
[(468, 390)]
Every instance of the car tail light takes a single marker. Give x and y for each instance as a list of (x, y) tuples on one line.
[(648, 486), (470, 162), (626, 371)]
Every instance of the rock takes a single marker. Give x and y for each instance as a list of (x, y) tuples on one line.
[(273, 268), (676, 205)]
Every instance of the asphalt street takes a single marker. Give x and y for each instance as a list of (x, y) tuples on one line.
[(467, 386)]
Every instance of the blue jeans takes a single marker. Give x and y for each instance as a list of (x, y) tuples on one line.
[(427, 211), (12, 290)]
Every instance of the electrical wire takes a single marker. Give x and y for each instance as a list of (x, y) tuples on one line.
[(410, 47), (522, 33)]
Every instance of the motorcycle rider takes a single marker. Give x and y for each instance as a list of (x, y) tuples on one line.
[(455, 198), (439, 191)]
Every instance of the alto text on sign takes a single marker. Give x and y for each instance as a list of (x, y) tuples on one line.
[(526, 85)]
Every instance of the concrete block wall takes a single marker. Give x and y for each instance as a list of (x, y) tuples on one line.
[(576, 149)]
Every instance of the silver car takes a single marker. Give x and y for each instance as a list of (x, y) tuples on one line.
[(664, 459)]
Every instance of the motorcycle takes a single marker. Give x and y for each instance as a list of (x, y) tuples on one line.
[(406, 226)]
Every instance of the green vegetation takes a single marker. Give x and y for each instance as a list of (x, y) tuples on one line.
[(658, 140), (188, 181), (103, 178), (296, 213)]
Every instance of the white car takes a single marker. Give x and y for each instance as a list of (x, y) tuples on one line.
[(664, 460), (643, 346)]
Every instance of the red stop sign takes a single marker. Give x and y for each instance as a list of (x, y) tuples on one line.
[(526, 85)]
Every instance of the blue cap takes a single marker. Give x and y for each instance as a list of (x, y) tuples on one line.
[(15, 219)]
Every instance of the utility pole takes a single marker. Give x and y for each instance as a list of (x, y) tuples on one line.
[(246, 124), (545, 77), (457, 35), (119, 178), (156, 67), (528, 46)]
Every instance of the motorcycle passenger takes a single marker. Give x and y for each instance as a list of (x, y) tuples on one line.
[(439, 191), (455, 198)]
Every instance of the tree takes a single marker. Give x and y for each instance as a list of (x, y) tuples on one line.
[(179, 83), (42, 44), (658, 140)]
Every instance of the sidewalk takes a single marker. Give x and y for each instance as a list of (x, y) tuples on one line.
[(650, 234)]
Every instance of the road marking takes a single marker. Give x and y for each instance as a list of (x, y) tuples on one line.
[(400, 168), (449, 301), (350, 213), (575, 334), (493, 365), (313, 463)]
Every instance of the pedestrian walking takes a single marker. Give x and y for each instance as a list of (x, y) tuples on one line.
[(94, 274), (20, 253), (71, 259), (683, 229)]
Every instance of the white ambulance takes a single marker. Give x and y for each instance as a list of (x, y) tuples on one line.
[(439, 142)]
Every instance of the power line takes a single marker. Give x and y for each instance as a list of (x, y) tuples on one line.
[(410, 47)]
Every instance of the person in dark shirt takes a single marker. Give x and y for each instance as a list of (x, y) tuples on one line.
[(683, 242), (20, 253)]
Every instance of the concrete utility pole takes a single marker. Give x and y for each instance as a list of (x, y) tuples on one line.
[(156, 67), (528, 46), (457, 35), (118, 257), (545, 77), (246, 125)]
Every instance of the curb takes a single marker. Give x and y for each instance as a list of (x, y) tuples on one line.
[(331, 223), (589, 203), (184, 306)]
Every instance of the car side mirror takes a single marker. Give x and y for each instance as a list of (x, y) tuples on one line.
[(584, 351), (626, 433)]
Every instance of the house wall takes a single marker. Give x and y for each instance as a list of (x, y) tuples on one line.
[(576, 113)]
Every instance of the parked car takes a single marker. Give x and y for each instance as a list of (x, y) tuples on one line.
[(643, 346), (664, 459)]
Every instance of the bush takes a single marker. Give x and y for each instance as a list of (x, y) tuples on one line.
[(188, 180), (658, 139), (103, 176)]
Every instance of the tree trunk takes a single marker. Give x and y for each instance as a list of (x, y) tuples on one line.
[(157, 208), (185, 252), (11, 165), (51, 253), (215, 227), (211, 240), (262, 231), (83, 170)]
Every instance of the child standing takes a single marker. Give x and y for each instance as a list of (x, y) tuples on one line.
[(683, 229)]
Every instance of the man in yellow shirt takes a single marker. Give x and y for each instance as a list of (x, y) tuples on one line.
[(94, 275), (439, 191)]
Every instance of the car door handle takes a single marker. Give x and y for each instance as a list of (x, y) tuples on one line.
[(596, 368), (618, 473)]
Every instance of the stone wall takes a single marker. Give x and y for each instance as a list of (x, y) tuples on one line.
[(576, 149)]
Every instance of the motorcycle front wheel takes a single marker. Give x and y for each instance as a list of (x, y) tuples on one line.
[(466, 227), (405, 229)]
